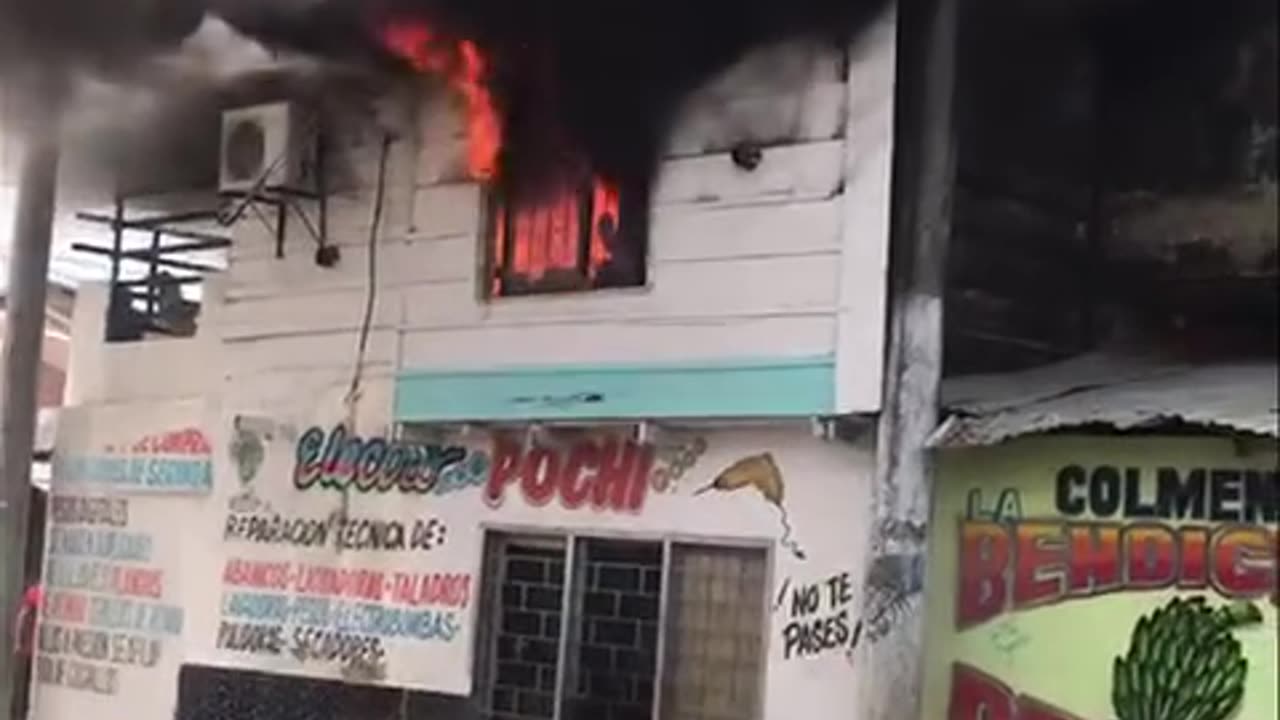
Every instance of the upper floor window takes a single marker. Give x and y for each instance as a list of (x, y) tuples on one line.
[(578, 237)]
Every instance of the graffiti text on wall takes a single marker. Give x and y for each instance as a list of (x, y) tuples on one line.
[(1010, 565), (336, 530), (177, 461), (603, 473), (340, 461), (324, 614), (820, 618), (103, 610)]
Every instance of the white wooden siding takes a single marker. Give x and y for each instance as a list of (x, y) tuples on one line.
[(621, 341), (786, 173), (399, 263), (298, 314), (309, 351), (751, 286), (860, 334), (742, 264)]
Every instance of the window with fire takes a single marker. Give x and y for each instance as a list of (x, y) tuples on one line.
[(586, 237), (581, 628)]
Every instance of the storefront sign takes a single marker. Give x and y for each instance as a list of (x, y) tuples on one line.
[(329, 557), (1098, 580), (158, 449), (127, 482)]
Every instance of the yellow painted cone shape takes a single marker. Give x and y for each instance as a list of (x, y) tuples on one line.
[(758, 471)]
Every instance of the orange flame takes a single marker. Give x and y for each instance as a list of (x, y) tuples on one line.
[(547, 235), (464, 66), (604, 224)]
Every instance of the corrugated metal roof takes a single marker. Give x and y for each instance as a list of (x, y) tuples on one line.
[(1126, 393)]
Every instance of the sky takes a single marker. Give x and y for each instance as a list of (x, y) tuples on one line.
[(65, 265)]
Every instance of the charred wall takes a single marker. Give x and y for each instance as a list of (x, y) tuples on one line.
[(1116, 184)]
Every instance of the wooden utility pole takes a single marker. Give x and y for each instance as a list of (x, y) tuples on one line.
[(891, 660), (24, 334)]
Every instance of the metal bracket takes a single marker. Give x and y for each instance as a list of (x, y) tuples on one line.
[(283, 200)]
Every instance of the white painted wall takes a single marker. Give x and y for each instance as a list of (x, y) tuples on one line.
[(788, 260), (826, 488), (155, 368)]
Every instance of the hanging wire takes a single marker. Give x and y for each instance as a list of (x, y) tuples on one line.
[(371, 287)]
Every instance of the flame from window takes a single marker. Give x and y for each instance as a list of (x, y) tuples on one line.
[(464, 66), (546, 236), (604, 225)]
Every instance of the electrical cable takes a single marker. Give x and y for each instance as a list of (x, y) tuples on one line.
[(371, 289)]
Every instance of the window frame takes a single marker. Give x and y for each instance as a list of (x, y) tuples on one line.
[(488, 612), (495, 212)]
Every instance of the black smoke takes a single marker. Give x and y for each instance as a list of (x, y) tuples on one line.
[(588, 86), (585, 85), (102, 35), (582, 85)]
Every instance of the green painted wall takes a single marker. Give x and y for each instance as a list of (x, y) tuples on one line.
[(767, 387), (1036, 508)]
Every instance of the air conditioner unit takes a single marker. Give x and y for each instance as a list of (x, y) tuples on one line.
[(266, 147)]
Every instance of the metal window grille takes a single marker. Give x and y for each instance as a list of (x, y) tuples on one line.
[(584, 628)]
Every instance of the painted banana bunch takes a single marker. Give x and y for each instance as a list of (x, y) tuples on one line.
[(1184, 663)]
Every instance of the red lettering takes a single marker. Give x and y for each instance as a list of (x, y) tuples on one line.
[(466, 592), (1095, 558), (274, 576), (67, 607), (640, 479), (1041, 557), (574, 489), (611, 474), (1150, 549), (540, 477), (616, 463), (503, 470), (1195, 557), (445, 590), (133, 582), (199, 444), (231, 572), (978, 696), (1244, 562), (984, 560), (362, 584)]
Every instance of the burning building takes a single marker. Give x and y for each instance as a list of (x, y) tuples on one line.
[(531, 386)]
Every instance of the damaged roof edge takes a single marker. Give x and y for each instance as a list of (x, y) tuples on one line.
[(1126, 393)]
